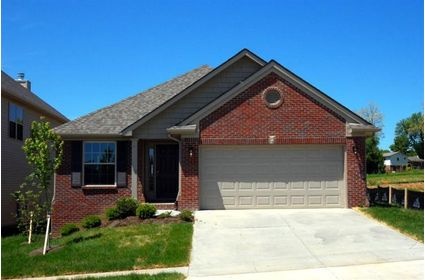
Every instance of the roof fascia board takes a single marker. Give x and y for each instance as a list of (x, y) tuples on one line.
[(315, 92), (195, 85), (92, 137), (32, 106), (273, 66)]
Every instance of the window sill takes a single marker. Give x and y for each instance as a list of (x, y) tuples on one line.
[(96, 187)]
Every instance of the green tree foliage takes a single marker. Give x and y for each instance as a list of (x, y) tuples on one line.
[(374, 157), (44, 151), (409, 135)]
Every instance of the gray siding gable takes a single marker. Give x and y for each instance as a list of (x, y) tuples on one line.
[(237, 72)]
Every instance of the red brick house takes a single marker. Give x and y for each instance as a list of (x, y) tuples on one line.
[(246, 134)]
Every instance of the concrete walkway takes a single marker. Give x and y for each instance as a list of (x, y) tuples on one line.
[(383, 271), (183, 270), (287, 242)]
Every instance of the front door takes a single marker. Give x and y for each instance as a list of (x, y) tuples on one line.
[(167, 172)]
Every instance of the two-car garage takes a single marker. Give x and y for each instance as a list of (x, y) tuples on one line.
[(272, 176)]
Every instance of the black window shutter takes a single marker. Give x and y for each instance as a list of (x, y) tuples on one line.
[(76, 163), (122, 162)]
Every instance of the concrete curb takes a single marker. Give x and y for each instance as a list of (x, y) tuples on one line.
[(183, 270)]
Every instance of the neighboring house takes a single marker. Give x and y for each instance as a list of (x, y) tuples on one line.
[(19, 108), (246, 134), (416, 162), (395, 161)]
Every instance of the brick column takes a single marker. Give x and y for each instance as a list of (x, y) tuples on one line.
[(189, 194), (356, 172)]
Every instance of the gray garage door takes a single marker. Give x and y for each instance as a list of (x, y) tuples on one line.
[(272, 176)]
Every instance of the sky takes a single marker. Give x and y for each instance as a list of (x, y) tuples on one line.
[(84, 55)]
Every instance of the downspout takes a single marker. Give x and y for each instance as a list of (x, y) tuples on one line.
[(180, 168)]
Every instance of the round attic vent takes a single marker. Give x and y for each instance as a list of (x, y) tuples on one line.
[(272, 97)]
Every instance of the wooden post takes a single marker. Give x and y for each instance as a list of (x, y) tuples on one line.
[(390, 195), (405, 198), (46, 238), (30, 230)]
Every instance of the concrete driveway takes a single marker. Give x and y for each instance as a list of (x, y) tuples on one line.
[(286, 241)]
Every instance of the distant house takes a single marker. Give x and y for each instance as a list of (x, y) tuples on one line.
[(19, 108), (416, 162), (395, 161)]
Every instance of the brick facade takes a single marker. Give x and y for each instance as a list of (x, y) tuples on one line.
[(247, 120), (244, 120), (72, 204)]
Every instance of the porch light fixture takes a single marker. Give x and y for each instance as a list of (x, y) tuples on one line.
[(354, 150), (190, 151)]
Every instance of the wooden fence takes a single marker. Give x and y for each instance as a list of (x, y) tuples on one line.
[(395, 196)]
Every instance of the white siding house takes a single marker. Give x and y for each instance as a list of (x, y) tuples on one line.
[(395, 161)]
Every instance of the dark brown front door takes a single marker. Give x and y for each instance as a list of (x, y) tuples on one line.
[(167, 172)]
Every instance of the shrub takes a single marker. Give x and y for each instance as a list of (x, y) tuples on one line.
[(112, 213), (91, 222), (186, 216), (126, 206), (69, 229), (145, 210)]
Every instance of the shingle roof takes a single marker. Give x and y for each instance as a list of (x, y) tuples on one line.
[(113, 119), (415, 159), (390, 154), (9, 87)]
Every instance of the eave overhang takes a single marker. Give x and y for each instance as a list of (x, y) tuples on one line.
[(361, 130)]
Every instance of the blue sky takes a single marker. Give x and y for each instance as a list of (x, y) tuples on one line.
[(84, 55)]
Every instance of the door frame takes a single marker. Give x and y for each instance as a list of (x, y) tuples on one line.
[(149, 189)]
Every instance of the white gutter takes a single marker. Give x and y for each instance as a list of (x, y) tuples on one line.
[(183, 129)]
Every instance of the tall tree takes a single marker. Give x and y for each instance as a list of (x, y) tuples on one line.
[(372, 114), (409, 135), (374, 157)]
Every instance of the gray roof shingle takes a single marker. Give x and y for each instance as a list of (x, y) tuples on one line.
[(113, 119)]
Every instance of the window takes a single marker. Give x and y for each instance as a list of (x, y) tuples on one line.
[(272, 97), (16, 121), (99, 163)]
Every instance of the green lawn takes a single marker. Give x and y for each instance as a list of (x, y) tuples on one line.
[(161, 276), (408, 221), (411, 176), (99, 250)]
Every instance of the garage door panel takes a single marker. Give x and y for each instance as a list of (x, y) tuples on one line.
[(301, 176)]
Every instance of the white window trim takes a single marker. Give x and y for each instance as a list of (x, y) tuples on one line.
[(115, 164)]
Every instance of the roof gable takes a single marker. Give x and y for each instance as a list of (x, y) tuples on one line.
[(121, 118), (243, 53), (274, 67), (113, 119)]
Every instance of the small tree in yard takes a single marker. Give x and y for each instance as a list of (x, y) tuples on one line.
[(44, 151)]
